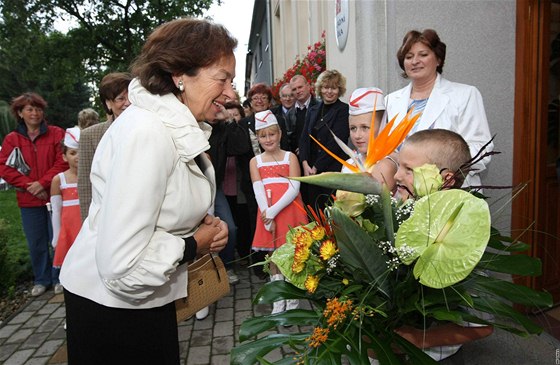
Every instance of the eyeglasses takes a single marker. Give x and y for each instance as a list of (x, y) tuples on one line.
[(121, 99), (259, 98), (289, 96)]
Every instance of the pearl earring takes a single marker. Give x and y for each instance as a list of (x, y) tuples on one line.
[(181, 86)]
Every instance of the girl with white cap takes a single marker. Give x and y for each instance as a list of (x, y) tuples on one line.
[(362, 104), (277, 196), (66, 219)]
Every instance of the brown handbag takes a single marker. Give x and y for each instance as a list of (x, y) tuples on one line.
[(207, 283)]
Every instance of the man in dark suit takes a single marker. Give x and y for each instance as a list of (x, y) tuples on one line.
[(296, 116), (287, 102)]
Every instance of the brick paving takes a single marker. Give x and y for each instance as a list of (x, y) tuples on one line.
[(36, 335)]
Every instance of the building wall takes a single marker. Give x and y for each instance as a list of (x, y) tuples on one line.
[(480, 38)]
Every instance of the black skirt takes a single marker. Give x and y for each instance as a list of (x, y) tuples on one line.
[(97, 334)]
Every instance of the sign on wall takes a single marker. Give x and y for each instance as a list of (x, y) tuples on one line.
[(341, 20)]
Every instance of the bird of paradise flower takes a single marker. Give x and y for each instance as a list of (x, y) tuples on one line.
[(379, 147)]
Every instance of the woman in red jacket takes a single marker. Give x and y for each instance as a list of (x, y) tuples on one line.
[(41, 149)]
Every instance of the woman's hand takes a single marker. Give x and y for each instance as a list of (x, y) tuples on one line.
[(211, 236), (37, 190)]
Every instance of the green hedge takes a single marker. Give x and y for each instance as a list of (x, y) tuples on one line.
[(15, 264)]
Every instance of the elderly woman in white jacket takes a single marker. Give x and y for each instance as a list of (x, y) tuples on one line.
[(152, 188), (443, 104)]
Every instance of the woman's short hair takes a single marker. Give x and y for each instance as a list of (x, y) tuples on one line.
[(260, 88), (111, 86), (430, 38), (29, 98), (181, 46), (87, 117), (331, 78), (235, 105)]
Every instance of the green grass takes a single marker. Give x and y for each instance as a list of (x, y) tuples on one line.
[(15, 265)]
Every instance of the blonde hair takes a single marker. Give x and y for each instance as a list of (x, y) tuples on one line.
[(444, 148), (87, 117), (331, 77), (261, 131)]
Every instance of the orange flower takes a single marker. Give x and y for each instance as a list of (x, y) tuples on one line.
[(311, 283), (318, 233), (303, 238), (328, 249), (336, 311), (319, 337), (385, 143)]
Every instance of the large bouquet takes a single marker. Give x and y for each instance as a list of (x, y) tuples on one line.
[(372, 265)]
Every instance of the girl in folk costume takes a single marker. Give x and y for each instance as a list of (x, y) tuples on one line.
[(277, 196), (66, 217)]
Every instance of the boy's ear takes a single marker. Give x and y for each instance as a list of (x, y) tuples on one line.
[(448, 178)]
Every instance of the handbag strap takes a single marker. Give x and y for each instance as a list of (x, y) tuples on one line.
[(216, 267)]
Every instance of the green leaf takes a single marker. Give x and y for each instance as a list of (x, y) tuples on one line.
[(248, 353), (358, 182), (276, 290), (358, 250), (498, 308), (252, 327), (511, 264), (416, 355), (513, 292), (449, 231)]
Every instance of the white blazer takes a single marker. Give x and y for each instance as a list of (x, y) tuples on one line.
[(148, 193), (453, 106)]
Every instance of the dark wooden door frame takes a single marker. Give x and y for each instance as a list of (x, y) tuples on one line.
[(529, 140)]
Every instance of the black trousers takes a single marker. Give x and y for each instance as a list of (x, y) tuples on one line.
[(97, 334)]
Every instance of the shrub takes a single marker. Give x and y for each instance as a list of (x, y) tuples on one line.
[(15, 263)]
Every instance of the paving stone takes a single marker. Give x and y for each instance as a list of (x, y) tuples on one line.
[(221, 360), (20, 335), (201, 337), (199, 355), (6, 350), (225, 302), (58, 333), (205, 323), (48, 308), (241, 316), (49, 348), (35, 321), (19, 357), (59, 313), (224, 314), (22, 317), (222, 345), (35, 305), (50, 325), (243, 304), (8, 330), (223, 329), (37, 361), (185, 332), (243, 294), (34, 341)]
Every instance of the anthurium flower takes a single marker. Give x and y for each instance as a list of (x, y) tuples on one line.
[(448, 231), (427, 180), (352, 204)]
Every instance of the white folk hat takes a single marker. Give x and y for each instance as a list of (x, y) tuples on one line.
[(264, 119), (72, 137), (363, 99)]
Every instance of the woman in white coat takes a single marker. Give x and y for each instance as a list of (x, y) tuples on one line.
[(152, 187), (443, 104)]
